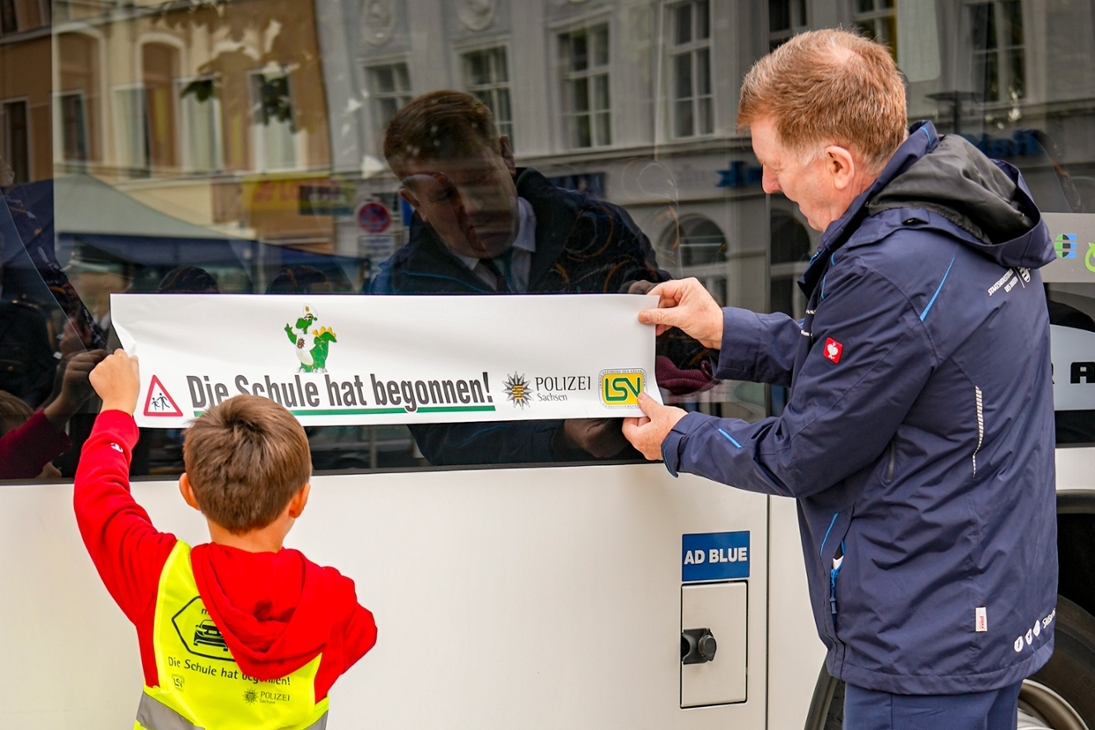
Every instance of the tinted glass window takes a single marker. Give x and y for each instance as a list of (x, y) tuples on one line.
[(238, 148)]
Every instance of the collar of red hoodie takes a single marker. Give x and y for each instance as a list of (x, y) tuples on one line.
[(272, 608)]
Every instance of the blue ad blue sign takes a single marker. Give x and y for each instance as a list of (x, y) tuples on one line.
[(714, 556)]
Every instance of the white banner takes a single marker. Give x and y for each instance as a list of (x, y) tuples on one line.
[(366, 360)]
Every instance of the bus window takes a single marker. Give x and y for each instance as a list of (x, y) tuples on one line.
[(295, 159)]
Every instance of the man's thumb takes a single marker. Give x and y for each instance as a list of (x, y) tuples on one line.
[(648, 404), (658, 316)]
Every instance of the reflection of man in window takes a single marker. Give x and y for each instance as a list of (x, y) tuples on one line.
[(484, 226)]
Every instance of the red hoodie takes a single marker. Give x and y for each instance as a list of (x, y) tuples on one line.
[(276, 611)]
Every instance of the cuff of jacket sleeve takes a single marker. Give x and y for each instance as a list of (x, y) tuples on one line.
[(741, 337), (674, 441), (120, 425)]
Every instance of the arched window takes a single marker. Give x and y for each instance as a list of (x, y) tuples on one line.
[(790, 240), (79, 97), (159, 70), (701, 242), (790, 251)]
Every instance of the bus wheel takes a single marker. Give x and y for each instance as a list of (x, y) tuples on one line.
[(1061, 696)]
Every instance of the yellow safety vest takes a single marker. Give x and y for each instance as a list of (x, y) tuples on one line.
[(201, 686)]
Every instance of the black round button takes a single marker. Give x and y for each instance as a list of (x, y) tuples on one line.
[(708, 646)]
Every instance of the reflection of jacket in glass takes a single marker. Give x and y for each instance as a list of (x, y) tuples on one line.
[(26, 354), (582, 246)]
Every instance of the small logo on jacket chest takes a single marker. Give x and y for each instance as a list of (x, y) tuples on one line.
[(832, 350)]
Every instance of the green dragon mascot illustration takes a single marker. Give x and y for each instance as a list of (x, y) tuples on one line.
[(313, 359)]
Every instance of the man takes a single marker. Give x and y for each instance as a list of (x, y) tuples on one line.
[(483, 226), (918, 438)]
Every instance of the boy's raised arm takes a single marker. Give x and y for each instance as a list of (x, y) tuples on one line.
[(127, 550)]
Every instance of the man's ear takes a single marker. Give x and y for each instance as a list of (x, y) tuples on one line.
[(413, 201), (299, 501), (506, 149), (187, 491), (841, 165)]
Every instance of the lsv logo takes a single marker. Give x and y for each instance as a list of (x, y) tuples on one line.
[(622, 387)]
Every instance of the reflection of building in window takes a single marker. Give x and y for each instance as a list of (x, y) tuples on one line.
[(74, 126), (79, 96), (586, 102), (701, 252), (16, 142), (390, 87), (131, 130), (273, 126), (486, 76), (9, 22), (878, 20), (200, 119), (160, 63), (693, 109), (996, 42), (702, 242), (785, 18), (790, 254)]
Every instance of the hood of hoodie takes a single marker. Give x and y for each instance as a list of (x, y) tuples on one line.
[(272, 608), (986, 199)]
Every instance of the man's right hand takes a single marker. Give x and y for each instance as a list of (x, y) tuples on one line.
[(117, 380), (684, 303)]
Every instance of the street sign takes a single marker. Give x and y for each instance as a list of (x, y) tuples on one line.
[(374, 217)]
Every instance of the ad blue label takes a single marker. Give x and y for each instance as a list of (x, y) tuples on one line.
[(714, 556)]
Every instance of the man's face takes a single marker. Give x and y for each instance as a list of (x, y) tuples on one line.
[(471, 202), (810, 185)]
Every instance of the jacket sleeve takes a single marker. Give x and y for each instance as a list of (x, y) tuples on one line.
[(842, 412), (759, 348), (26, 450), (127, 550), (359, 633)]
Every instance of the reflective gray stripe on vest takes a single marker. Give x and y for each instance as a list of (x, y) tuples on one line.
[(154, 715)]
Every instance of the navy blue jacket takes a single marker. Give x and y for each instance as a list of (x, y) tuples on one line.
[(918, 435)]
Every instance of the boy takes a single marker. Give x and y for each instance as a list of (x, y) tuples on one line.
[(237, 632)]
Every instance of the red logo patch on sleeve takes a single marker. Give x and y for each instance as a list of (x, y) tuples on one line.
[(833, 349)]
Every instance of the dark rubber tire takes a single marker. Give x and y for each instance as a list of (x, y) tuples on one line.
[(1070, 672)]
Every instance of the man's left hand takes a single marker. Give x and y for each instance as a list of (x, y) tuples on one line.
[(647, 433)]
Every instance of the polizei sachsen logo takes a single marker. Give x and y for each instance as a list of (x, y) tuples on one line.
[(517, 390)]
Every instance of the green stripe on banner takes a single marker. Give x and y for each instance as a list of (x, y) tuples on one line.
[(454, 409), (381, 411)]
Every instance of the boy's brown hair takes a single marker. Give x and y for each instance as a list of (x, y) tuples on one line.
[(829, 87), (13, 412), (245, 459), (441, 125)]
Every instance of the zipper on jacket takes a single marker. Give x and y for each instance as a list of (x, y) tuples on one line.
[(821, 550), (980, 425), (888, 476), (838, 563)]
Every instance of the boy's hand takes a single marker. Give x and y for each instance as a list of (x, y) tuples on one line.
[(117, 380)]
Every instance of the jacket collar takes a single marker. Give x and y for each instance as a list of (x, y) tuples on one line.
[(922, 139)]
